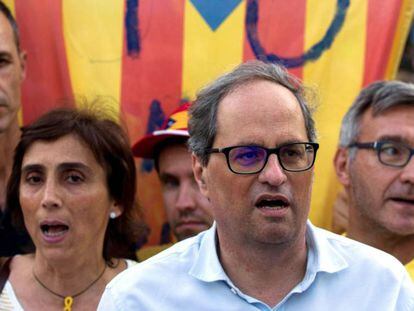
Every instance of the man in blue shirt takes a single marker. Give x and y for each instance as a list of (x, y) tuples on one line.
[(253, 141), (374, 164)]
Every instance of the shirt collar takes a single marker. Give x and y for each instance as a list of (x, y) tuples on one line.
[(327, 257), (322, 257), (207, 266)]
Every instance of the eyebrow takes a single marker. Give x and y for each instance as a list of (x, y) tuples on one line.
[(6, 54), (394, 138), (61, 167), (289, 141), (74, 165), (166, 175), (32, 167)]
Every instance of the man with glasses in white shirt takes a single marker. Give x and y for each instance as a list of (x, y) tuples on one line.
[(374, 163), (254, 145)]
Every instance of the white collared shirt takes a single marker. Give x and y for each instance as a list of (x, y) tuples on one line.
[(341, 274)]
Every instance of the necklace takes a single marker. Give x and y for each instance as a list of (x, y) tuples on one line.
[(68, 300)]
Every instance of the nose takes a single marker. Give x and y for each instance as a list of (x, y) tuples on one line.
[(51, 197), (272, 174), (185, 199), (407, 173)]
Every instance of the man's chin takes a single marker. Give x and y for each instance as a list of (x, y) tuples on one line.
[(185, 231), (403, 229)]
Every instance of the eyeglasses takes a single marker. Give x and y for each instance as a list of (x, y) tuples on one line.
[(389, 153), (294, 157)]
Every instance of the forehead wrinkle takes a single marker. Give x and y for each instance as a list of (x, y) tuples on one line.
[(262, 113), (396, 122), (7, 42), (283, 101)]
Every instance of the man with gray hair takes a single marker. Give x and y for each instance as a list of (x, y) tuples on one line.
[(253, 141), (373, 162)]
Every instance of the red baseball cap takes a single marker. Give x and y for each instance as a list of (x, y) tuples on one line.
[(176, 125)]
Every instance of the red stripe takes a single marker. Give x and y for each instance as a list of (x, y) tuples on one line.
[(382, 21), (47, 81), (155, 73), (281, 27)]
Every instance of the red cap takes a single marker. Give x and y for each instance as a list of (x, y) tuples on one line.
[(176, 125)]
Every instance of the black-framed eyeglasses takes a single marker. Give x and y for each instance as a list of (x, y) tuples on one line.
[(293, 157), (388, 152)]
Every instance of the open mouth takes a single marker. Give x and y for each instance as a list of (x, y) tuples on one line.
[(54, 230), (272, 204)]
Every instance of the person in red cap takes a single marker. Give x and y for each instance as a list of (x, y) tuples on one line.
[(188, 211)]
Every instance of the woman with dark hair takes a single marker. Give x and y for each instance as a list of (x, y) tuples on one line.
[(72, 188)]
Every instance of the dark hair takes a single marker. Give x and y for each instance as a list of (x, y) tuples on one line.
[(203, 112), (110, 146), (7, 13)]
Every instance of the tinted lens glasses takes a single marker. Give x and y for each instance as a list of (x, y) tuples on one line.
[(294, 157)]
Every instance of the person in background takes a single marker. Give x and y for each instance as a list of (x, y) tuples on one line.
[(254, 145), (72, 187), (374, 164), (12, 74), (188, 211)]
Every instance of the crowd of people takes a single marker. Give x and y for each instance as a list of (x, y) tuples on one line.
[(236, 169)]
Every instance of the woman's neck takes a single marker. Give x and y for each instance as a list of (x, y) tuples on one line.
[(68, 277)]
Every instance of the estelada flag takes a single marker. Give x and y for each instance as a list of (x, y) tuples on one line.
[(145, 57)]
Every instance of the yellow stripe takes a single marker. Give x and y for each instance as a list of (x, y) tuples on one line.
[(208, 54), (93, 33), (10, 5), (181, 120), (403, 27), (410, 269), (338, 77)]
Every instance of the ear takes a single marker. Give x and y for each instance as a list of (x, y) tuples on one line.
[(341, 163), (199, 174), (116, 208)]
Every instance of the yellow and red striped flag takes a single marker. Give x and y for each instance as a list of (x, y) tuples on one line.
[(145, 57)]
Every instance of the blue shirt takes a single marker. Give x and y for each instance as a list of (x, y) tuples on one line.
[(341, 274)]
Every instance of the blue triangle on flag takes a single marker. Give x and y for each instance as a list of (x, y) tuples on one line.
[(215, 12)]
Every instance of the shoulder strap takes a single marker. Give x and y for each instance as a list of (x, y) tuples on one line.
[(4, 271)]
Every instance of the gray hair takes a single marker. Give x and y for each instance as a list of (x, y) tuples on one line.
[(203, 112), (381, 96)]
